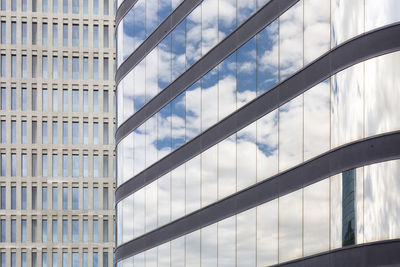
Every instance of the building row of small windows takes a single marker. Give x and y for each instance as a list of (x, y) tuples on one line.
[(29, 34), (79, 70), (45, 230), (48, 198), (58, 131), (58, 100), (55, 258), (58, 6), (57, 165)]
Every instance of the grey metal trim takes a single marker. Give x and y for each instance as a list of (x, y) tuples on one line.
[(379, 253), (123, 9), (231, 43), (363, 47), (155, 37), (363, 152)]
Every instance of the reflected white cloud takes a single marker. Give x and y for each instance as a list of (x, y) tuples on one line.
[(246, 233), (209, 25), (317, 120), (227, 242), (316, 28), (209, 246), (291, 133), (290, 226), (382, 94), (178, 252), (192, 256), (267, 233), (347, 105), (291, 40), (316, 218), (347, 20), (380, 13), (381, 201)]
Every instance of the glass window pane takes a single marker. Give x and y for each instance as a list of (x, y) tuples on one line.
[(290, 226), (267, 233), (44, 230), (44, 198), (75, 166), (65, 67), (209, 245), (316, 28), (290, 145), (55, 32), (347, 90), (75, 6), (75, 68), (317, 120), (34, 27), (291, 41), (44, 32), (316, 218), (54, 198), (344, 28), (55, 98)]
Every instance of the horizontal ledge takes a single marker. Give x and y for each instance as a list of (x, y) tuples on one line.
[(155, 37), (363, 152), (255, 23), (361, 48), (379, 253), (123, 9)]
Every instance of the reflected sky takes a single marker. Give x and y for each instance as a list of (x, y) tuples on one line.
[(382, 76), (246, 156), (347, 105), (290, 144), (227, 167), (316, 28), (291, 40), (246, 233), (347, 20), (209, 245), (317, 120), (310, 221), (192, 256), (267, 233), (290, 226), (227, 242), (336, 111), (380, 13), (151, 206), (336, 211), (246, 72), (381, 201), (252, 153), (178, 252), (316, 218)]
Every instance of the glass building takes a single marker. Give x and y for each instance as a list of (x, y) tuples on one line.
[(57, 126), (258, 132)]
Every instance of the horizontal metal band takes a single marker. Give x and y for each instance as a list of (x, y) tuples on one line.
[(363, 47), (363, 152), (155, 37), (230, 44), (379, 253), (123, 9)]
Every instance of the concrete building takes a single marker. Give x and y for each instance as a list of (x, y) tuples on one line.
[(257, 133), (57, 123)]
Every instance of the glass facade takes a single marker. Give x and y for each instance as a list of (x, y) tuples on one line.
[(41, 132), (357, 102)]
